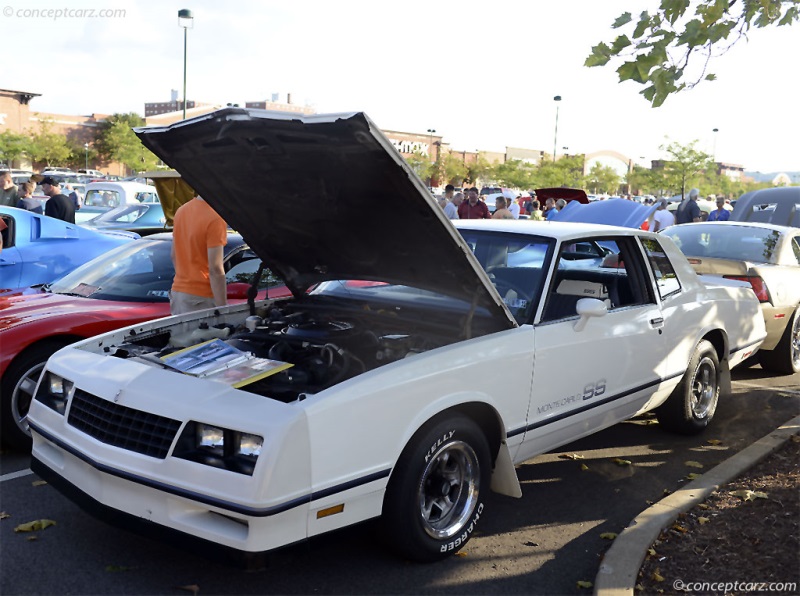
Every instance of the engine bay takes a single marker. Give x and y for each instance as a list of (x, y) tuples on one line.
[(324, 348)]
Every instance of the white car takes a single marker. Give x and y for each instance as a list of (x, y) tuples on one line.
[(415, 365)]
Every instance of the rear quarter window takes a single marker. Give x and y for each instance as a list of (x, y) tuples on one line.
[(666, 279)]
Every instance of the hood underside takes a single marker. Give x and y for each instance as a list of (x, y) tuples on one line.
[(323, 197)]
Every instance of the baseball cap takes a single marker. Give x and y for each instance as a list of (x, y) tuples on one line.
[(50, 180)]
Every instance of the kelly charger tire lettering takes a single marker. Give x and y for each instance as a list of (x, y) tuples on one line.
[(436, 494)]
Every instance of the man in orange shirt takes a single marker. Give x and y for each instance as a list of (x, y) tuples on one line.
[(199, 237)]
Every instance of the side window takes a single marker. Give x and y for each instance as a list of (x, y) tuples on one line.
[(666, 280), (796, 248), (609, 270), (8, 231)]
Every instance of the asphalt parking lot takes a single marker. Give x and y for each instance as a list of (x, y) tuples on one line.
[(543, 543)]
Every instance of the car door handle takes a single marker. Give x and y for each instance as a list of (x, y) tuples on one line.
[(657, 322)]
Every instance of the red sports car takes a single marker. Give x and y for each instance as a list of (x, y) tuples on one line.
[(127, 285)]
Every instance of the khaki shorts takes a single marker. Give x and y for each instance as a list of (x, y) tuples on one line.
[(181, 303)]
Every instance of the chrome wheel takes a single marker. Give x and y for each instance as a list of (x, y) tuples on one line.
[(448, 490), (22, 396), (704, 388), (794, 340)]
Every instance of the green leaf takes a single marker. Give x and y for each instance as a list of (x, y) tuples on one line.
[(600, 55), (642, 25), (693, 35), (627, 71), (789, 16), (620, 44), (711, 77), (674, 9), (622, 19)]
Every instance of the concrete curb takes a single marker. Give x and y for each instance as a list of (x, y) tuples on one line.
[(620, 566)]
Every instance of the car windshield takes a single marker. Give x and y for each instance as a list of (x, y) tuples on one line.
[(514, 263), (719, 241), (139, 271), (123, 214)]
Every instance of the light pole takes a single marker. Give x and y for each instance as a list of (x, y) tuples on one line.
[(714, 151), (430, 153), (556, 99), (86, 149), (185, 20)]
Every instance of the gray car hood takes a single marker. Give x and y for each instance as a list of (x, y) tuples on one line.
[(323, 197)]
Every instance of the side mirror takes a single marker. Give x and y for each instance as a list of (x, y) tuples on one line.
[(587, 308)]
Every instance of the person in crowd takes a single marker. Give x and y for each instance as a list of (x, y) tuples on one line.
[(473, 207), (689, 211), (449, 191), (556, 207), (8, 191), (720, 213), (26, 200), (3, 227), (73, 196), (662, 218), (549, 208), (451, 209), (58, 205), (501, 210), (199, 236), (535, 211), (442, 201), (513, 207)]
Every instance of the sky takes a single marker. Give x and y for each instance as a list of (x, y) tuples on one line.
[(483, 74)]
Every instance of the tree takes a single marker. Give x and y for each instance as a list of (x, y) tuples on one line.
[(602, 179), (687, 165), (13, 146), (660, 46), (514, 174), (116, 141), (47, 146), (421, 165), (455, 170)]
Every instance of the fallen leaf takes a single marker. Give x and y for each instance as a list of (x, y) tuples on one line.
[(194, 588), (608, 535), (656, 576), (679, 528), (795, 438), (749, 495), (584, 467), (651, 551), (639, 588), (714, 442), (621, 462), (693, 476), (529, 543), (693, 464), (585, 585), (703, 506), (461, 553), (703, 520), (649, 502), (39, 524), (570, 456), (4, 515), (666, 491)]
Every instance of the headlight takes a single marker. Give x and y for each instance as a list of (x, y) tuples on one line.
[(219, 447), (54, 391)]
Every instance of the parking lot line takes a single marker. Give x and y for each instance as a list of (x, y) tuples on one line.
[(15, 475), (756, 386)]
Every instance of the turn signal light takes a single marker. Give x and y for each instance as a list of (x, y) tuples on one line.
[(758, 285)]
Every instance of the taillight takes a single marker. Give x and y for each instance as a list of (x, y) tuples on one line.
[(758, 285)]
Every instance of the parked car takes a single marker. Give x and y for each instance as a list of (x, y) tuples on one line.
[(127, 285), (143, 218), (38, 249), (59, 171), (767, 257), (568, 194), (414, 384), (779, 206), (102, 196), (92, 173)]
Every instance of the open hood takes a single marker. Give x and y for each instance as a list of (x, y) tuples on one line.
[(568, 194), (612, 212), (323, 197)]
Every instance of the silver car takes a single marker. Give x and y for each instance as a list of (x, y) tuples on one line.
[(768, 257)]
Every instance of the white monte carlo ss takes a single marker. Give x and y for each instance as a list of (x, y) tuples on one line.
[(416, 363)]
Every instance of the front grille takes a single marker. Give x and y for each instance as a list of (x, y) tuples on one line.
[(121, 426)]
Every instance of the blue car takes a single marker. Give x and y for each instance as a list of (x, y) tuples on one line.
[(37, 249), (142, 218)]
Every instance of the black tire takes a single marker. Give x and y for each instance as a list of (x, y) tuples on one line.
[(16, 393), (437, 490), (785, 357), (691, 406)]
